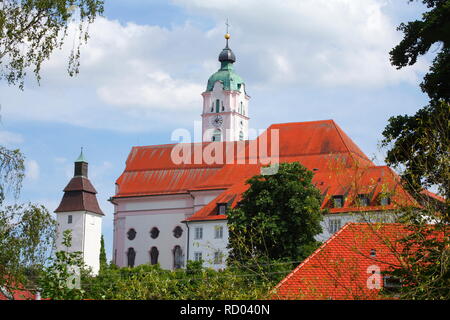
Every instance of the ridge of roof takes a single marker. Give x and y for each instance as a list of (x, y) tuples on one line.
[(345, 143)]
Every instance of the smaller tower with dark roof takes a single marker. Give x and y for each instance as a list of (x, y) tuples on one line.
[(79, 212)]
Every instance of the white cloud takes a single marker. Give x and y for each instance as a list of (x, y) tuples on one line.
[(155, 90), (320, 42), (143, 78), (32, 170), (8, 138)]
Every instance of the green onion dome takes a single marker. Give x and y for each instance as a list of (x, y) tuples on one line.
[(226, 75)]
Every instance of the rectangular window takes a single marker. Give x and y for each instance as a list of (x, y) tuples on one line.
[(222, 208), (385, 201), (69, 219), (198, 256), (218, 232), (334, 225), (217, 257), (363, 200), (391, 284), (198, 235), (338, 201)]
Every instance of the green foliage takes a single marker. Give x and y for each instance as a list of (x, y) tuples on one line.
[(150, 282), (30, 30), (11, 171), (26, 234), (276, 221), (420, 145), (419, 36), (425, 258), (61, 279), (27, 231), (102, 257)]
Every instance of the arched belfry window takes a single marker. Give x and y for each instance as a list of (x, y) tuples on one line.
[(154, 253), (131, 255), (217, 105), (241, 136), (217, 135), (177, 257)]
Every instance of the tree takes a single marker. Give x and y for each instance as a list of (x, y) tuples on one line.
[(26, 236), (60, 280), (26, 230), (30, 30), (419, 37), (12, 171), (420, 146), (150, 282), (424, 272), (420, 143), (277, 218), (103, 262)]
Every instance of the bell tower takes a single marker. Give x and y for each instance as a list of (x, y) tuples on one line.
[(225, 102), (79, 212)]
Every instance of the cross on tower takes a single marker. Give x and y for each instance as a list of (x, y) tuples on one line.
[(227, 24)]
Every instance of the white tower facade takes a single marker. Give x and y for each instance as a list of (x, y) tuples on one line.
[(80, 213), (225, 114)]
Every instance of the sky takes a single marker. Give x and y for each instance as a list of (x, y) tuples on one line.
[(147, 62)]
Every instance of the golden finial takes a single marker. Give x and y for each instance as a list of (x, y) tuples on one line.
[(227, 35)]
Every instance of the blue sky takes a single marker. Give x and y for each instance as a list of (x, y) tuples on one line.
[(147, 63)]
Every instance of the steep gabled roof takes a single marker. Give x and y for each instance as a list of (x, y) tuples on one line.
[(157, 169), (316, 138), (339, 165), (347, 266)]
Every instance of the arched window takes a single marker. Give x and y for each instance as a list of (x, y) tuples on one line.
[(241, 110), (154, 253), (177, 257), (154, 233), (131, 234), (241, 136), (217, 135), (177, 232), (217, 105), (131, 255)]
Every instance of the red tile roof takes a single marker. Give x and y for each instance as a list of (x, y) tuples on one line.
[(342, 268), (340, 167), (433, 195), (19, 294)]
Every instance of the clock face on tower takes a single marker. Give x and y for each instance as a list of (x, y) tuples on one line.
[(217, 121)]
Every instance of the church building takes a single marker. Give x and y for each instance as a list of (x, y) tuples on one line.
[(169, 211)]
